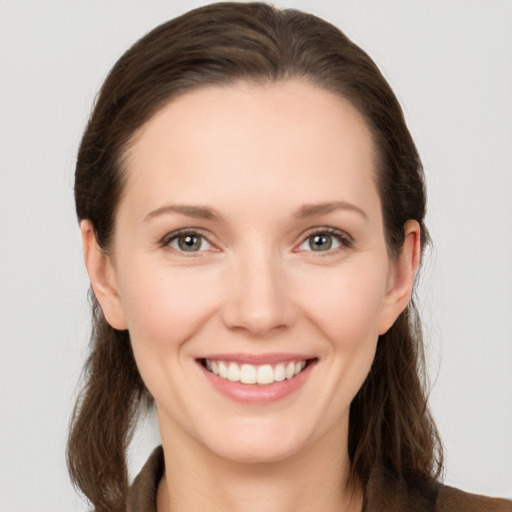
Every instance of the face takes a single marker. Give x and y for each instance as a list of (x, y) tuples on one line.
[(250, 267)]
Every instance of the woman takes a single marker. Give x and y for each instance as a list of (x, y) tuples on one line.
[(251, 207)]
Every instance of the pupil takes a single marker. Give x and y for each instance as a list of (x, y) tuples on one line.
[(189, 243), (321, 242)]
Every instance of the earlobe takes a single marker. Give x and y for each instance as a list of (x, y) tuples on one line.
[(102, 276), (402, 277)]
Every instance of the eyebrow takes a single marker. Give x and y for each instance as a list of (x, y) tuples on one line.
[(198, 212), (305, 211), (312, 210)]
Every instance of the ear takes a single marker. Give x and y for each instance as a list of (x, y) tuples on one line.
[(102, 276), (403, 271)]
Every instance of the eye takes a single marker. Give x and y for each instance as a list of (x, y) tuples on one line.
[(188, 242), (324, 241)]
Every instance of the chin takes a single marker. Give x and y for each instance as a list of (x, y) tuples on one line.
[(257, 454), (263, 445)]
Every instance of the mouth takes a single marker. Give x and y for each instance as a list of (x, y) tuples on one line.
[(256, 374)]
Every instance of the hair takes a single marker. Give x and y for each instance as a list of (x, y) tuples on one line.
[(390, 424)]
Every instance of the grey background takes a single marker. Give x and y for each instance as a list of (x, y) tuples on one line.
[(450, 63)]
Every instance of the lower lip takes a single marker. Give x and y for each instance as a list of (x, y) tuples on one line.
[(257, 394)]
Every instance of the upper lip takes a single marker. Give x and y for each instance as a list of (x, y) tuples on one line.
[(258, 359)]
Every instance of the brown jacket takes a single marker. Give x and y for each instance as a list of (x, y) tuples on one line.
[(383, 494)]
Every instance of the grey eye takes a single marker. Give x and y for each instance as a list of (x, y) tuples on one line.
[(189, 242), (320, 242)]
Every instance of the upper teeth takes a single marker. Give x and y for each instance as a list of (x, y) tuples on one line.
[(250, 374)]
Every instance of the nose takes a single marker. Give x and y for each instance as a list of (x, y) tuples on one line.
[(259, 299)]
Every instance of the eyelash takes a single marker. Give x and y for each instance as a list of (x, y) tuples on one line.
[(175, 235), (345, 240)]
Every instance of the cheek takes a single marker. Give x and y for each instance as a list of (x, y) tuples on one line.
[(165, 309), (346, 303), (347, 312), (165, 305)]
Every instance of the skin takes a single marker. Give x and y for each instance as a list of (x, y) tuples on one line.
[(255, 155)]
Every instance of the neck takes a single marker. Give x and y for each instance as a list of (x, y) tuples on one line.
[(315, 479)]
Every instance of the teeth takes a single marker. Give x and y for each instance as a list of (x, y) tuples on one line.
[(223, 370), (233, 372), (249, 374), (279, 372), (265, 374)]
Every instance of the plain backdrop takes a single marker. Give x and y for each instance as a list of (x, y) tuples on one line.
[(450, 63)]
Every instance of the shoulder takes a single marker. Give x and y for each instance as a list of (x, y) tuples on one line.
[(450, 499), (386, 492)]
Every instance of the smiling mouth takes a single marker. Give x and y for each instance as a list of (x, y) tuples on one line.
[(263, 375)]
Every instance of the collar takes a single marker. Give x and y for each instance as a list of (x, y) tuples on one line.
[(383, 493)]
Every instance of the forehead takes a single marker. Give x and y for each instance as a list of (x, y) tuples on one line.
[(248, 139)]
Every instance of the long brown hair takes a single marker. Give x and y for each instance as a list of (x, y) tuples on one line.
[(390, 424)]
